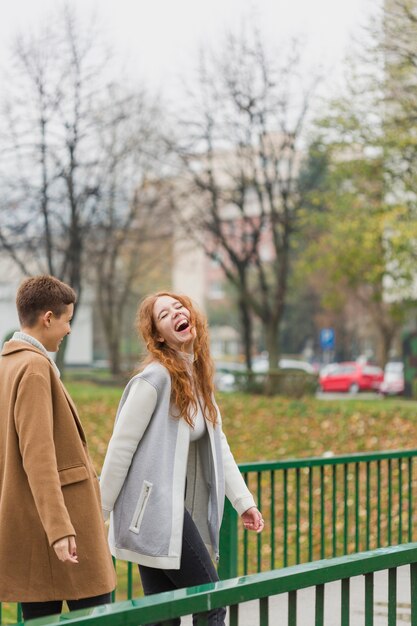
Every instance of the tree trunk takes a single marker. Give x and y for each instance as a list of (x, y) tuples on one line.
[(387, 336), (60, 356), (114, 354), (271, 329), (112, 325), (246, 330)]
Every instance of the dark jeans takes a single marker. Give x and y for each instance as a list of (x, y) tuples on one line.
[(31, 610), (196, 569)]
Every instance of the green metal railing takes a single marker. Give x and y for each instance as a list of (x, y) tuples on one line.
[(314, 508), (322, 507), (268, 587)]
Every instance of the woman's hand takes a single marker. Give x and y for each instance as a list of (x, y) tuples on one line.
[(253, 520), (66, 549)]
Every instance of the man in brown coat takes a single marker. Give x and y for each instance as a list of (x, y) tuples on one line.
[(53, 544)]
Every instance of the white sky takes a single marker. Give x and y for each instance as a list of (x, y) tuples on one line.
[(159, 39)]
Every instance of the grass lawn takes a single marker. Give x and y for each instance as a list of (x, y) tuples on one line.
[(263, 428)]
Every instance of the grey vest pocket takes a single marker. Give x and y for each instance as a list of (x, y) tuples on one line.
[(140, 507)]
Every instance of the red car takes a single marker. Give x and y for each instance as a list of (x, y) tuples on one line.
[(351, 376)]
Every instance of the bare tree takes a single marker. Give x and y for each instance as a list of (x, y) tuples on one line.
[(132, 211), (241, 155), (72, 163), (49, 167)]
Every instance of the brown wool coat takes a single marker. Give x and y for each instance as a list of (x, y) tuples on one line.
[(48, 487)]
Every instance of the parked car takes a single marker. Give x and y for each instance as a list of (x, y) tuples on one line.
[(225, 375), (351, 376), (393, 383), (261, 365)]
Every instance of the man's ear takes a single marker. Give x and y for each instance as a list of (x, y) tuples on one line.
[(46, 318)]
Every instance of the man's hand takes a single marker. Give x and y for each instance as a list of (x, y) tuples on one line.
[(66, 549), (253, 520)]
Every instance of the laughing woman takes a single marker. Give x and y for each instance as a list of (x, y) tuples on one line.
[(168, 465)]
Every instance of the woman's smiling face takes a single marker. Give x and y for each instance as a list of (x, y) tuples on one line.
[(172, 321)]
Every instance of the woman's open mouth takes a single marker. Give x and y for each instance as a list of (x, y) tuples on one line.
[(182, 326)]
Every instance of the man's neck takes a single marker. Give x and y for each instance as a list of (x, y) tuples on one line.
[(34, 333)]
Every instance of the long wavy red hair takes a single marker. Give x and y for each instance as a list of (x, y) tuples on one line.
[(182, 384)]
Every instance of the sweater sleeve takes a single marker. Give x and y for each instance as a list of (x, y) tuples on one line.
[(34, 425), (236, 489), (131, 424)]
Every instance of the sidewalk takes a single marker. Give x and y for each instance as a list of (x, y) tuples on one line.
[(278, 605)]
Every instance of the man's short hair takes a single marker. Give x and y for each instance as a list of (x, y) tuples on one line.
[(39, 294)]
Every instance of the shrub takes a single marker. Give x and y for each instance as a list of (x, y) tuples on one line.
[(293, 383)]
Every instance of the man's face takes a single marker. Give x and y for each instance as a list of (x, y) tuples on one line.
[(58, 328)]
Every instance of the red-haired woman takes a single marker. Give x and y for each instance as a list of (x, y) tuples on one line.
[(168, 465)]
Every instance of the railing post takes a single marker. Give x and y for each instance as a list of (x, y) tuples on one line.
[(228, 543), (413, 593)]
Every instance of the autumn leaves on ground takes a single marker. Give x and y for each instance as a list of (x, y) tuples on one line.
[(262, 428)]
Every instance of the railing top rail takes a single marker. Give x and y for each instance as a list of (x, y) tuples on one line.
[(326, 459), (236, 590)]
